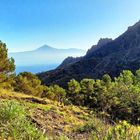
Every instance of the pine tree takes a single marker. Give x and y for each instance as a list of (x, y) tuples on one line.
[(28, 83), (7, 67)]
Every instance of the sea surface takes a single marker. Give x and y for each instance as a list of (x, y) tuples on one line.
[(36, 68)]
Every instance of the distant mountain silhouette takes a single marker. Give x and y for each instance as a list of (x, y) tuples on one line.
[(45, 48), (108, 56), (44, 56)]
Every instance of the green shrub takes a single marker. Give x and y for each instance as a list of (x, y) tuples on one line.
[(15, 123), (55, 92), (121, 131), (88, 127), (117, 98), (28, 83)]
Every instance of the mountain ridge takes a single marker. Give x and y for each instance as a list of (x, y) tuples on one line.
[(113, 57)]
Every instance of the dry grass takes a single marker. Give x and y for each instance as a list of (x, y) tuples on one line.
[(59, 121), (52, 117)]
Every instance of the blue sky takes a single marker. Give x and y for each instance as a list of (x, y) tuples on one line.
[(29, 24)]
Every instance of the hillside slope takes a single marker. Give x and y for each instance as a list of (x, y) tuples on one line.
[(54, 119), (112, 57), (27, 117)]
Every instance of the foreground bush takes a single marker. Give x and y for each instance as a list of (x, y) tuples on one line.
[(99, 130), (14, 122), (120, 131)]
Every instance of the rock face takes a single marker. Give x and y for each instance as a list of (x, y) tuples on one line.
[(108, 56), (100, 44), (69, 61)]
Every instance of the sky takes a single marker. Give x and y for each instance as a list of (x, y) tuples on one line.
[(29, 24)]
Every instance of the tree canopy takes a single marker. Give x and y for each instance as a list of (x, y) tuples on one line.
[(28, 83), (7, 67)]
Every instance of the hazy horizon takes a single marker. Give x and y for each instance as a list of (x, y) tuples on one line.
[(34, 49), (26, 25), (42, 59)]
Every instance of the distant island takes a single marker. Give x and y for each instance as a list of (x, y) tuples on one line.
[(43, 58)]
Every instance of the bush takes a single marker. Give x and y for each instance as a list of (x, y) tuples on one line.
[(28, 83), (55, 92), (122, 131), (117, 99), (14, 122)]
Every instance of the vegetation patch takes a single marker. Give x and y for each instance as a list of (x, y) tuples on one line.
[(15, 123)]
